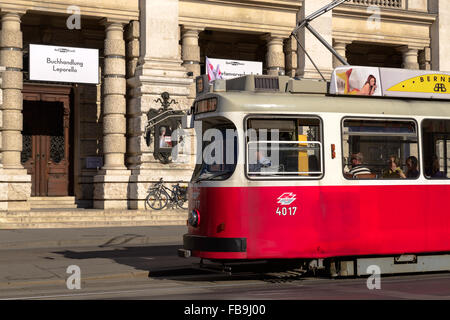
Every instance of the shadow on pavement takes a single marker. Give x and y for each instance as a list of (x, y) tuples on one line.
[(144, 258), (162, 262)]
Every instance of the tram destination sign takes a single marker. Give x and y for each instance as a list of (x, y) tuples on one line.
[(390, 82), (64, 64)]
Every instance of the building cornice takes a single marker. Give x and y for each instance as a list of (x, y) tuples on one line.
[(255, 16), (283, 32), (273, 4), (412, 42), (386, 14), (125, 13)]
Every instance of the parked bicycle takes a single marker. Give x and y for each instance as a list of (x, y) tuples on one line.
[(159, 196)]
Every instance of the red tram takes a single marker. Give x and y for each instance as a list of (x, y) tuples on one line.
[(277, 174)]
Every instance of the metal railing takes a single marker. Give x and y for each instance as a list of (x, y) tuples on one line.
[(400, 4)]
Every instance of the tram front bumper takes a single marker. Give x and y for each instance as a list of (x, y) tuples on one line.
[(211, 244)]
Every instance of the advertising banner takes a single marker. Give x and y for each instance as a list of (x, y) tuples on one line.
[(415, 83), (360, 81), (229, 69), (390, 82), (64, 64)]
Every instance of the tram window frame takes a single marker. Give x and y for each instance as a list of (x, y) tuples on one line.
[(321, 161), (425, 147), (379, 119), (222, 124)]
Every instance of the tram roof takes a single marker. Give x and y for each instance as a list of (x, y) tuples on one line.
[(353, 89), (264, 102)]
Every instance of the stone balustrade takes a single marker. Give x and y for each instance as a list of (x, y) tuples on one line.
[(400, 4)]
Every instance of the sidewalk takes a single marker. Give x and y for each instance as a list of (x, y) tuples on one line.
[(101, 237), (40, 257)]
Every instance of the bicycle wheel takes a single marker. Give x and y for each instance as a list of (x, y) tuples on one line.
[(181, 200), (157, 199)]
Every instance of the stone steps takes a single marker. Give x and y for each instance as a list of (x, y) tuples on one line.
[(81, 218), (91, 224), (88, 213), (52, 202)]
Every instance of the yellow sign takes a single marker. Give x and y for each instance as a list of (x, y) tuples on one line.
[(430, 83)]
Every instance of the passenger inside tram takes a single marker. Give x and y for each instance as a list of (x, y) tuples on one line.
[(357, 165), (434, 171), (261, 162), (394, 171), (411, 165)]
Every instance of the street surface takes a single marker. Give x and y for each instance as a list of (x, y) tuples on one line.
[(153, 271)]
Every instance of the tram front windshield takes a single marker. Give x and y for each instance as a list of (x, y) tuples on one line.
[(218, 158)]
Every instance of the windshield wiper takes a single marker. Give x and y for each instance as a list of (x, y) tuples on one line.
[(214, 176)]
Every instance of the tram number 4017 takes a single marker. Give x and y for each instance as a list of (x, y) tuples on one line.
[(286, 211)]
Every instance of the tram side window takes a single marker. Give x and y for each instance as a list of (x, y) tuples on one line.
[(284, 147), (380, 149), (436, 148), (219, 150)]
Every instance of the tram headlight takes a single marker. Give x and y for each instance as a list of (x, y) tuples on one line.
[(194, 218)]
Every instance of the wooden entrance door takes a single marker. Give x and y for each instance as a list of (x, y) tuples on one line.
[(46, 139)]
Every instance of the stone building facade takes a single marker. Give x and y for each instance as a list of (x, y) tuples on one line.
[(100, 155)]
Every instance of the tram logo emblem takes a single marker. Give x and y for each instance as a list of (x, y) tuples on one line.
[(440, 87), (286, 198)]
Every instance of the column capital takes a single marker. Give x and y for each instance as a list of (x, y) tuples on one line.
[(271, 37), (343, 41), (114, 22), (7, 10), (341, 44), (188, 28), (409, 49)]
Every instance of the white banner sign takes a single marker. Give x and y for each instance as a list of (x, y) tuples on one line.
[(63, 64), (230, 69)]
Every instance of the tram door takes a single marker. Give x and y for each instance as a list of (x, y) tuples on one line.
[(45, 144)]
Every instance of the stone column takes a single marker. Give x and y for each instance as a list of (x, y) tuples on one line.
[(341, 48), (275, 56), (440, 33), (15, 184), (111, 184), (160, 69), (425, 59), (132, 52), (410, 57), (190, 53), (320, 55), (290, 49), (2, 69)]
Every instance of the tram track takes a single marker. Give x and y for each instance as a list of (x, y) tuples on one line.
[(219, 287)]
